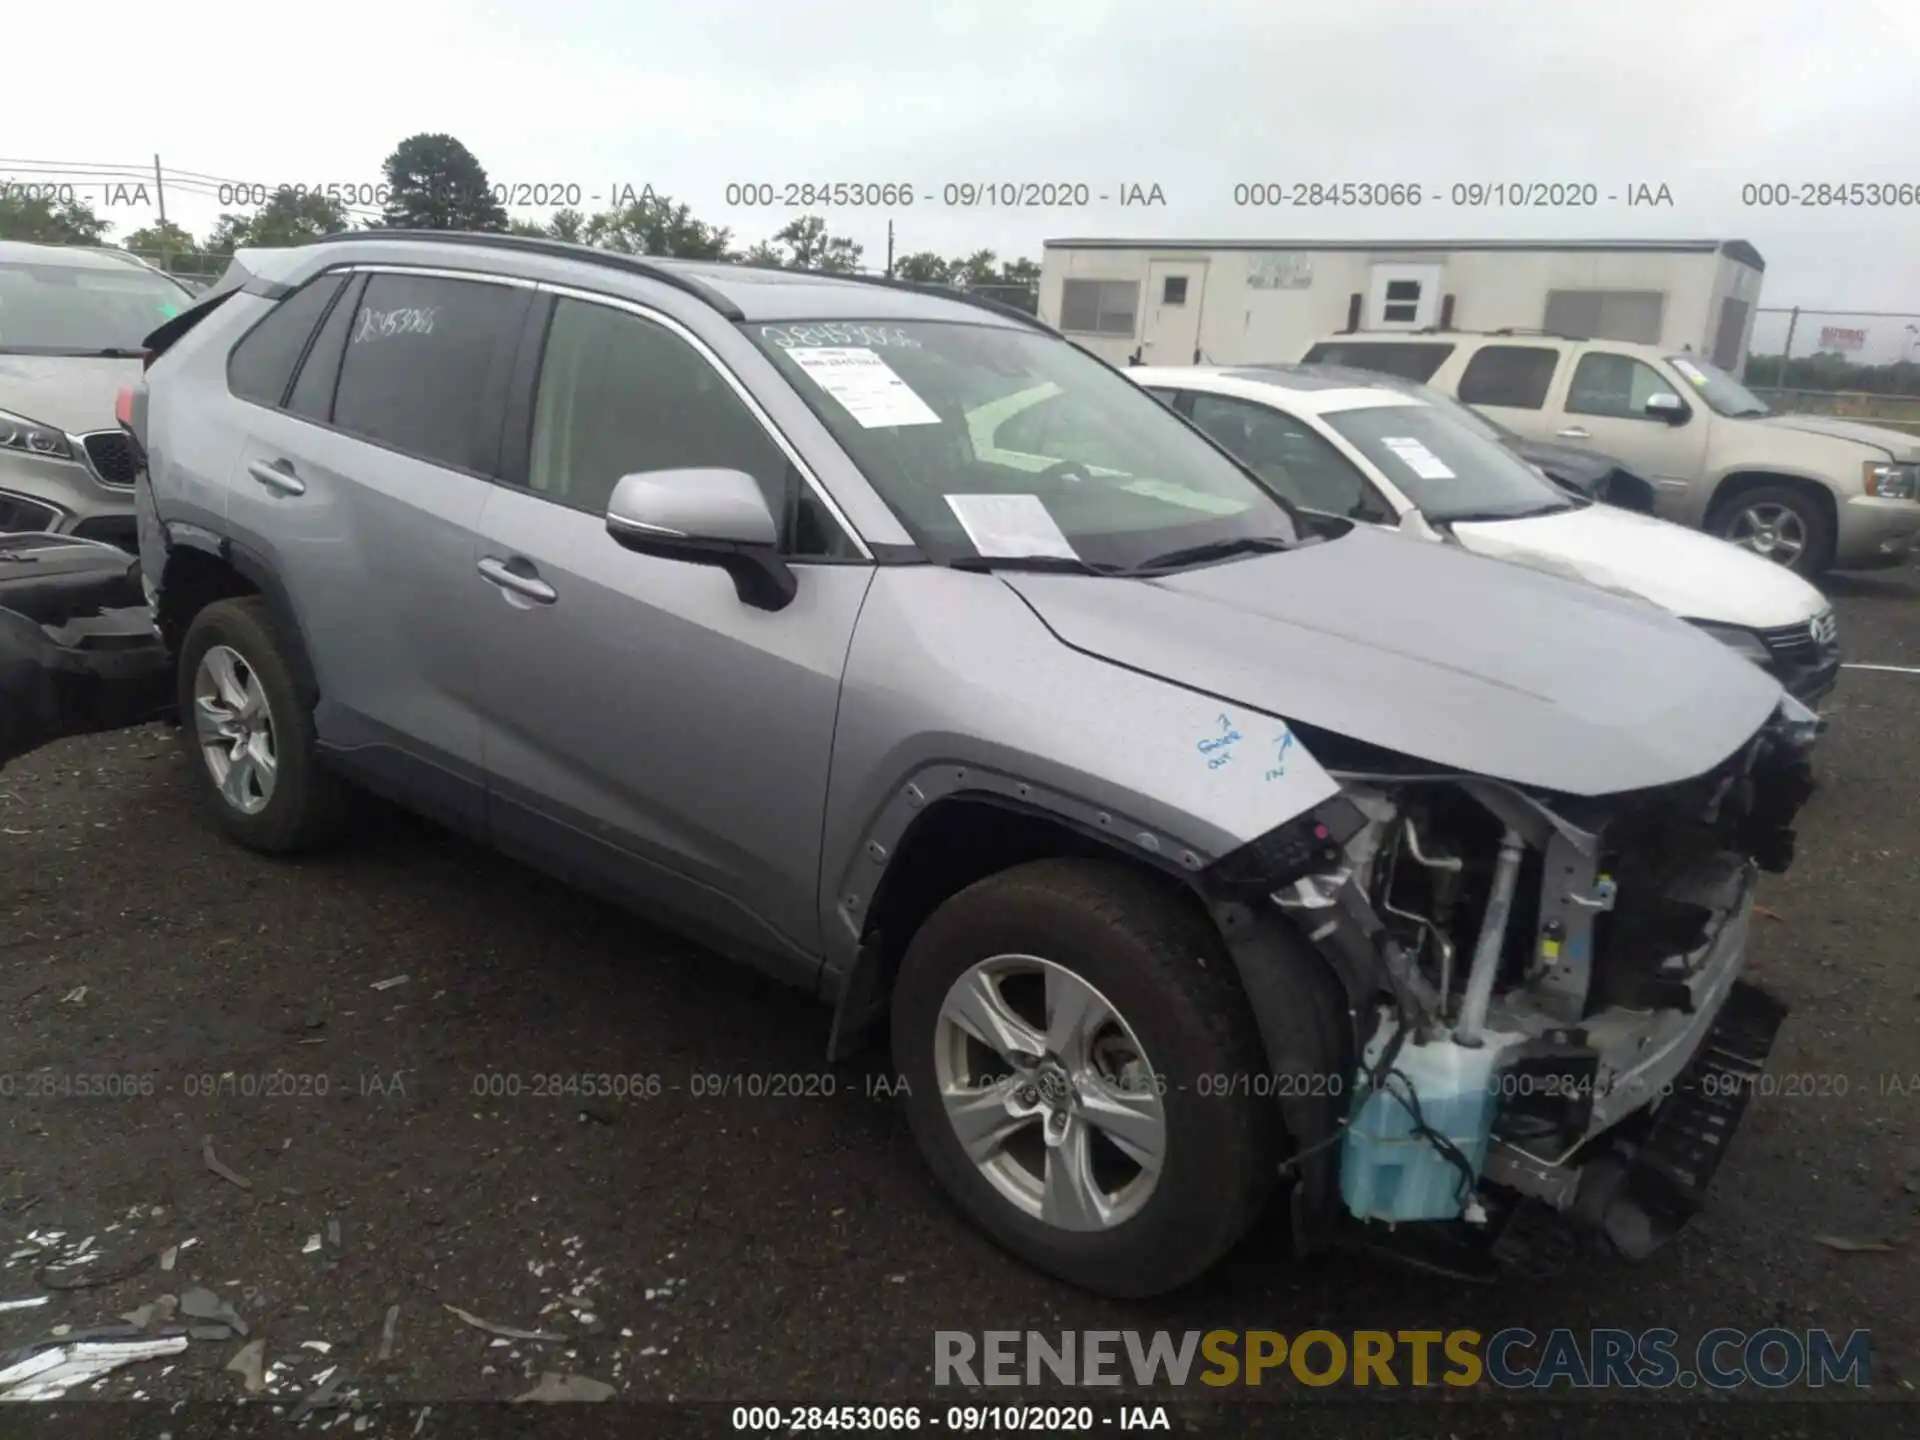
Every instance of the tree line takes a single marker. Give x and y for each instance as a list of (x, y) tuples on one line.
[(1831, 371), (433, 182)]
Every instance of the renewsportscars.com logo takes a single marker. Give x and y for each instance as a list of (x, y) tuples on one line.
[(1513, 1359)]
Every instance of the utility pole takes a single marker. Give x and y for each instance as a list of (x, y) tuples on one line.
[(889, 249), (160, 198)]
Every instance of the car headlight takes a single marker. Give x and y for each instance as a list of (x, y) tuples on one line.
[(30, 437), (1893, 482), (1741, 642)]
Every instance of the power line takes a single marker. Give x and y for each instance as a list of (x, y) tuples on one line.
[(82, 172)]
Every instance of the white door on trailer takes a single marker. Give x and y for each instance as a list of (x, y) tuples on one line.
[(1170, 334)]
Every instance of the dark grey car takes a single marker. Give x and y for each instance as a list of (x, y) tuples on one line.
[(71, 323)]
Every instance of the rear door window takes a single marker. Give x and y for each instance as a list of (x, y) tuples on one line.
[(1411, 361), (423, 371), (261, 366), (1515, 376)]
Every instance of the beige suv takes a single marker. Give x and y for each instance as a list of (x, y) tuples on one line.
[(1809, 492)]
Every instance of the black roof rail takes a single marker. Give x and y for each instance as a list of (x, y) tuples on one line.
[(560, 249), (1524, 330), (940, 292)]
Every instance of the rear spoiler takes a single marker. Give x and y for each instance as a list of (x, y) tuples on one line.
[(235, 278)]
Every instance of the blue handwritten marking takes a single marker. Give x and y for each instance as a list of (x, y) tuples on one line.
[(1279, 769), (1219, 748)]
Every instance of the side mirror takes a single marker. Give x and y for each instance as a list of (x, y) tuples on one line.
[(705, 517), (1668, 407)]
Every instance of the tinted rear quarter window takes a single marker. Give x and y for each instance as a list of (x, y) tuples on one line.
[(1409, 362), (262, 364), (313, 388), (420, 352), (1517, 376)]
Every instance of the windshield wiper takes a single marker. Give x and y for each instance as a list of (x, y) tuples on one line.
[(1213, 550), (1046, 564)]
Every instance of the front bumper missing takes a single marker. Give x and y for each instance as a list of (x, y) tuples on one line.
[(1654, 1176), (1638, 1188)]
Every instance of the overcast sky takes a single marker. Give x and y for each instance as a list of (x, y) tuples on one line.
[(1192, 97)]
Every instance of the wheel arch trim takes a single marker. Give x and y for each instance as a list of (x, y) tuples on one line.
[(258, 572)]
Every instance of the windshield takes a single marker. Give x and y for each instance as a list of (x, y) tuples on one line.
[(1446, 466), (1719, 389), (52, 308), (1009, 443)]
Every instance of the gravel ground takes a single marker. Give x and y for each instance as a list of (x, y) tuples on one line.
[(730, 1247)]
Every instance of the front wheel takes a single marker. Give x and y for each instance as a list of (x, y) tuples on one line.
[(1068, 1035), (1780, 523)]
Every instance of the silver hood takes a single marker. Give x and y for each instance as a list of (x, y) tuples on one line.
[(74, 393), (1897, 443), (1468, 663)]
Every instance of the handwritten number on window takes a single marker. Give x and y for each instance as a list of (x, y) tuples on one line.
[(383, 324)]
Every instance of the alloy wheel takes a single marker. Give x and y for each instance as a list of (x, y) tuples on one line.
[(1050, 1092), (1769, 529), (234, 725)]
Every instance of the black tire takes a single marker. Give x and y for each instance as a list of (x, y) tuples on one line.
[(1816, 557), (308, 806), (1162, 965)]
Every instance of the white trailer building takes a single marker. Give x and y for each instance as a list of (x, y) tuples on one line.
[(1230, 302)]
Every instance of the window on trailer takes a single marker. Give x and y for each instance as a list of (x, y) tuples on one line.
[(1630, 315), (1099, 307)]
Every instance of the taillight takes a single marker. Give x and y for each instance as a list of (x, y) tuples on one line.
[(123, 406)]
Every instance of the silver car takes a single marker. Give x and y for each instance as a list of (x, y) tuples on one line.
[(71, 323), (1192, 850)]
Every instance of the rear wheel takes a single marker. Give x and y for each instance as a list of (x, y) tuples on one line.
[(1067, 1034), (249, 737), (1780, 523)]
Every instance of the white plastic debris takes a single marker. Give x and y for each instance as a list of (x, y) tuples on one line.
[(26, 1304), (51, 1373), (313, 1244), (321, 1346), (388, 984), (74, 996)]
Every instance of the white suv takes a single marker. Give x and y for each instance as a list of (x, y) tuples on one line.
[(1809, 492)]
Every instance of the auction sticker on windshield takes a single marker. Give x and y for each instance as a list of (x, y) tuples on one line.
[(1417, 458), (1691, 372), (1006, 527), (865, 385)]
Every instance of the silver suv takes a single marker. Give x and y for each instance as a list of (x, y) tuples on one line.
[(1191, 853), (71, 322)]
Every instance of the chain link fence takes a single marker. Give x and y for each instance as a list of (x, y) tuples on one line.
[(1850, 364)]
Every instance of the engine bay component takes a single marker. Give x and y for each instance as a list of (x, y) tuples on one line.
[(1604, 938)]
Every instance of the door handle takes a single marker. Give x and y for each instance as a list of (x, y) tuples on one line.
[(506, 577), (1576, 432), (277, 476)]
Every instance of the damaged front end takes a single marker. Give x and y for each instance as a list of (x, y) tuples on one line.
[(1548, 1023)]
